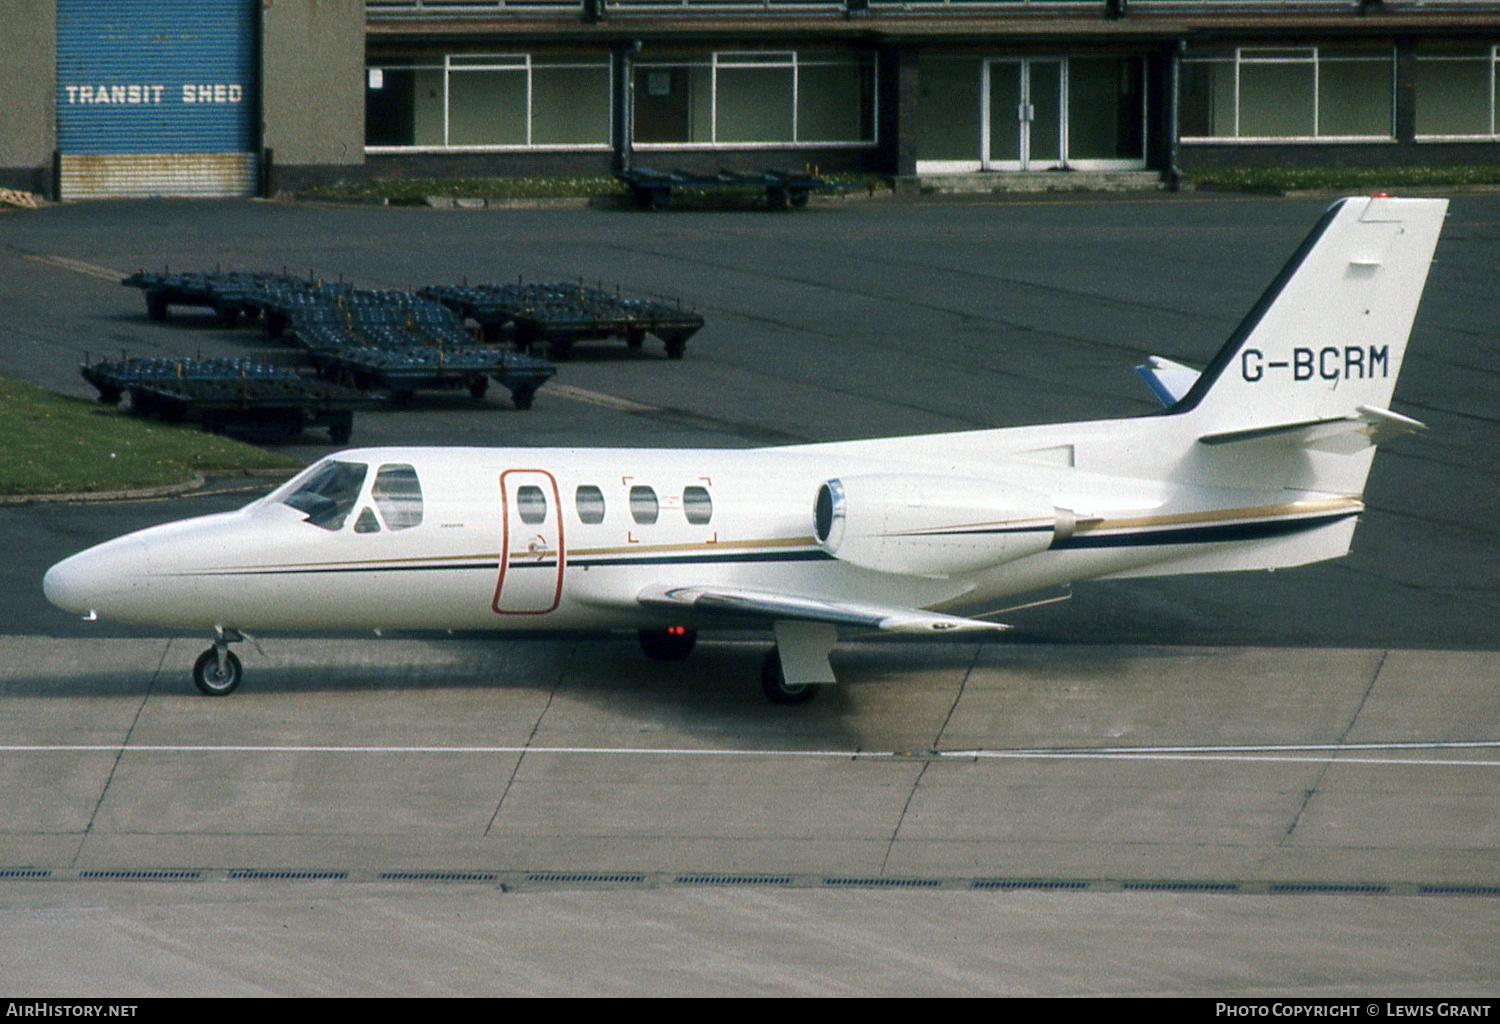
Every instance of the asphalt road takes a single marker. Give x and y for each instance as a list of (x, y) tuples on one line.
[(1264, 785)]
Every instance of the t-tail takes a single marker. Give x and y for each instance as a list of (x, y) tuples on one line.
[(1301, 392)]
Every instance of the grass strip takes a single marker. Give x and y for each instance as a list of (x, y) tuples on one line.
[(55, 444), (1293, 178), (415, 190)]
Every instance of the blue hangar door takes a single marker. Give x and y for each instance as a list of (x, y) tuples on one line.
[(157, 97)]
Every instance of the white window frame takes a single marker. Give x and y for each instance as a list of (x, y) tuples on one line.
[(1314, 55), (522, 62), (1494, 61), (753, 59)]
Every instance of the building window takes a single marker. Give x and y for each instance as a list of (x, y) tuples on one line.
[(1456, 94), (1295, 92), (489, 101), (762, 97)]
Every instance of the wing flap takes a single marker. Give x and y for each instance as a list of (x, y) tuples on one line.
[(739, 602)]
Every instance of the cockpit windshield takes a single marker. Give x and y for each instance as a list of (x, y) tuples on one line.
[(329, 493)]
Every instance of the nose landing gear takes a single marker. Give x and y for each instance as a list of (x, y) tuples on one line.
[(218, 671)]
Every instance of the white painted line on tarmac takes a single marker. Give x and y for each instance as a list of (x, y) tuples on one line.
[(79, 267), (1299, 754), (599, 398)]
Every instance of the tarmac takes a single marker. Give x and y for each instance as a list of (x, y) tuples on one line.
[(1275, 785)]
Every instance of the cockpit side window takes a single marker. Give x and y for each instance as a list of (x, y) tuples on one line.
[(398, 496), (329, 493)]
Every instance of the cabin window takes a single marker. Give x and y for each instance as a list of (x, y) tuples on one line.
[(531, 505), (329, 493), (643, 505), (398, 496), (697, 505), (590, 503), (367, 523)]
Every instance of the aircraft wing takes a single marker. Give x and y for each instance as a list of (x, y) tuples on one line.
[(765, 605)]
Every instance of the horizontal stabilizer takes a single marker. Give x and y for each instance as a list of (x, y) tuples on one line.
[(1344, 435), (1167, 380), (759, 604)]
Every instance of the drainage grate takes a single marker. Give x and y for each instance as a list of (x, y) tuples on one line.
[(885, 883), (143, 876), (25, 873), (1459, 890), (1328, 887), (582, 876), (258, 876), (734, 880), (1029, 883), (437, 876), (1181, 886)]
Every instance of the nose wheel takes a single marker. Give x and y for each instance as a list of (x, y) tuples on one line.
[(218, 671)]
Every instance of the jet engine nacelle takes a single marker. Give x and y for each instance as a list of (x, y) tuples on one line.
[(933, 525)]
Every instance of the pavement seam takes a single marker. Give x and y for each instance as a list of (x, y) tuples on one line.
[(516, 769), (1343, 737), (88, 828), (937, 742)]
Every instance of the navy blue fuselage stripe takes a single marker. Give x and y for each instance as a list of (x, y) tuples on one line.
[(1215, 534)]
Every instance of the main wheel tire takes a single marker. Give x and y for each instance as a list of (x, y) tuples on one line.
[(213, 680), (773, 682), (671, 644)]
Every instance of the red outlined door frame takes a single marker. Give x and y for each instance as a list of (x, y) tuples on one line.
[(522, 586)]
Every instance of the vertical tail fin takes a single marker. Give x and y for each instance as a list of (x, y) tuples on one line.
[(1329, 334), (1315, 362)]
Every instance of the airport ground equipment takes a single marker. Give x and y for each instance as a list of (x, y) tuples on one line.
[(561, 314), (403, 343), (240, 395), (230, 295), (358, 338), (653, 189), (404, 371)]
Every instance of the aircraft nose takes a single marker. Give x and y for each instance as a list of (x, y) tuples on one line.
[(85, 582)]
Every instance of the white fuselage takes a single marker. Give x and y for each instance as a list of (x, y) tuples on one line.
[(537, 539)]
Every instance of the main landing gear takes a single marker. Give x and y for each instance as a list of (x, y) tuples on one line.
[(674, 643), (218, 671), (793, 671), (774, 685)]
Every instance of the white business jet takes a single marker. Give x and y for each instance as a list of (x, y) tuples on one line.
[(1258, 462)]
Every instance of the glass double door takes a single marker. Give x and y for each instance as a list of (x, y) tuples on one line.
[(1025, 104)]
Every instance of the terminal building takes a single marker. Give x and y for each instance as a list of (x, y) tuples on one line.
[(246, 97)]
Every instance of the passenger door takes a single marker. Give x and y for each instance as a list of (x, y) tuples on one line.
[(532, 556)]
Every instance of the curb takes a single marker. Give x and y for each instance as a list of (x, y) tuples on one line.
[(133, 494)]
